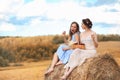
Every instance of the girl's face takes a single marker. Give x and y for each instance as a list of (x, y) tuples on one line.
[(73, 28), (83, 26)]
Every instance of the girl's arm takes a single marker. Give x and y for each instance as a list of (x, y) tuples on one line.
[(67, 41), (95, 41), (81, 45), (64, 37), (77, 38)]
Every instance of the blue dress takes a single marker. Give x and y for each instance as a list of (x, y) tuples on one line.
[(64, 55)]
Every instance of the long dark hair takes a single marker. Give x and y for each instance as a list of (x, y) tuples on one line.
[(70, 33)]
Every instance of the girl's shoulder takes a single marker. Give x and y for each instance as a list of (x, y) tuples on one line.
[(81, 33), (77, 33), (93, 32)]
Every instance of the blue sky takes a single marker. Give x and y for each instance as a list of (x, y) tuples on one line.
[(51, 17)]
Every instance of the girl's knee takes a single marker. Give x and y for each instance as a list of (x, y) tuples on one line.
[(76, 50)]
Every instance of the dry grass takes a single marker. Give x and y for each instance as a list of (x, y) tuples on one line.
[(30, 71), (110, 47), (35, 71), (102, 67)]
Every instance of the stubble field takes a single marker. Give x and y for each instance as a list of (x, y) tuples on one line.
[(35, 70)]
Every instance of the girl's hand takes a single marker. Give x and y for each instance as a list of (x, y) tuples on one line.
[(93, 37), (64, 33), (64, 49)]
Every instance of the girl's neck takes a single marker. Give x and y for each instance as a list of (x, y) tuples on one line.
[(87, 30), (74, 33)]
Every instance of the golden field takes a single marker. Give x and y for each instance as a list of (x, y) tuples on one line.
[(35, 70)]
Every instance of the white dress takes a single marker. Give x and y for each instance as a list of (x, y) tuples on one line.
[(79, 55)]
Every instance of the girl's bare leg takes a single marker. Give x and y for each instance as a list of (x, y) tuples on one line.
[(54, 61), (59, 62), (67, 73)]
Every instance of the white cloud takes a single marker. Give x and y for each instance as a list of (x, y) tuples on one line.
[(2, 16), (46, 27), (60, 14), (68, 10), (34, 8), (11, 6), (4, 5), (74, 11), (35, 22), (63, 10), (7, 27), (114, 30)]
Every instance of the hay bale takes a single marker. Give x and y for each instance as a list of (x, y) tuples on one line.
[(102, 67)]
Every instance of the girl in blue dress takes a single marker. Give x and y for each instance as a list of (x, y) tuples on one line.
[(63, 52)]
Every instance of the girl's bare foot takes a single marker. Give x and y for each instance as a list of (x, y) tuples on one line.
[(64, 77), (58, 63), (49, 71)]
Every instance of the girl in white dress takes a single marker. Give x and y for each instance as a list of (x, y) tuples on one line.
[(89, 38)]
